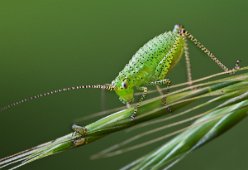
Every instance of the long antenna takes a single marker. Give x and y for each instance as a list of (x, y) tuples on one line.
[(49, 93)]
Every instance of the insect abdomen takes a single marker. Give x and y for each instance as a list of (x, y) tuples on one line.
[(142, 67)]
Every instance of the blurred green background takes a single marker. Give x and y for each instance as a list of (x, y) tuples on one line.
[(50, 44)]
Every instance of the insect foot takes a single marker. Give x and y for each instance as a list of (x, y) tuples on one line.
[(134, 113), (79, 129), (236, 67), (132, 116), (164, 101), (168, 109)]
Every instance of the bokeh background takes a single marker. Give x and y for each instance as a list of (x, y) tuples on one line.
[(50, 44)]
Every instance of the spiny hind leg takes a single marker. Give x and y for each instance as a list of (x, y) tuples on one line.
[(208, 52), (188, 64), (143, 96)]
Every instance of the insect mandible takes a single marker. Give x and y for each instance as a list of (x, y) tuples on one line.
[(148, 66)]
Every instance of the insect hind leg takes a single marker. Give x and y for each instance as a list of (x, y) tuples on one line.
[(188, 64), (208, 52)]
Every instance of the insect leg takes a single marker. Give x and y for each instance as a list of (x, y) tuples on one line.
[(208, 52), (187, 61), (160, 82), (143, 96), (164, 97)]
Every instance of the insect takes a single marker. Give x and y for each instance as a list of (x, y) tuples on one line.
[(148, 66)]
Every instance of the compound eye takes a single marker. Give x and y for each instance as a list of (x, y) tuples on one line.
[(124, 84)]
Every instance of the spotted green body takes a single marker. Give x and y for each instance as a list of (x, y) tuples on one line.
[(150, 63)]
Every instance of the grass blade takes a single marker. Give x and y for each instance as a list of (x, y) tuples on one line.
[(231, 110)]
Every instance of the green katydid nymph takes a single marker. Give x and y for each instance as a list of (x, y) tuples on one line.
[(148, 66), (152, 62)]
